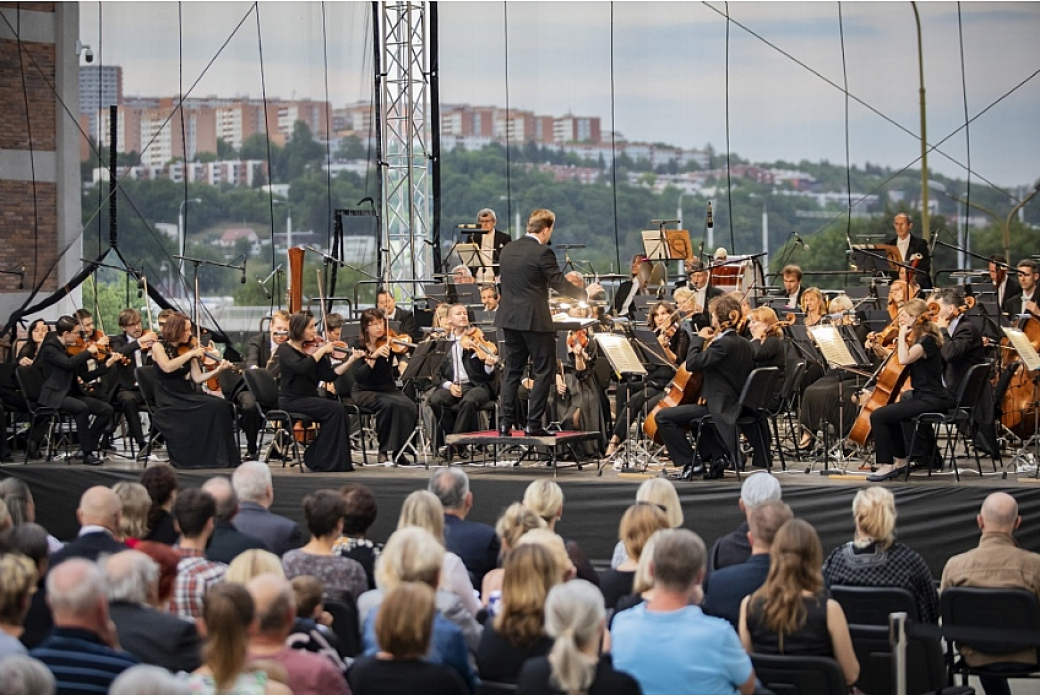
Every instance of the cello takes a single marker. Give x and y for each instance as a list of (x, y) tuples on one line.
[(1018, 408)]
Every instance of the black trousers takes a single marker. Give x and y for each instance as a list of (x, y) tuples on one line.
[(457, 415), (540, 347), (131, 401), (892, 426), (81, 408), (671, 426)]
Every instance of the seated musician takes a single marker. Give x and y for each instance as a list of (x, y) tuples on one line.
[(579, 400), (1028, 300), (64, 379), (261, 349), (703, 293), (386, 302), (910, 277), (12, 400), (27, 349), (134, 343), (334, 326), (792, 276), (814, 306), (725, 365), (625, 299), (675, 343), (465, 387), (489, 298), (919, 350), (462, 275)]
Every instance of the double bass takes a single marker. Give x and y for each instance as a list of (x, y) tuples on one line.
[(1018, 408)]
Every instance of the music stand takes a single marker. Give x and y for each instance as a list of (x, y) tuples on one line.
[(468, 294), (666, 244), (879, 259), (475, 256), (625, 361), (425, 363), (438, 293)]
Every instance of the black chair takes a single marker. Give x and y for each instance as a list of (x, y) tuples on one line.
[(799, 675), (871, 605), (793, 373), (926, 669), (275, 420), (345, 626), (995, 614), (30, 381), (957, 420)]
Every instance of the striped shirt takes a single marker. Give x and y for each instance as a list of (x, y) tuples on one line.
[(80, 662)]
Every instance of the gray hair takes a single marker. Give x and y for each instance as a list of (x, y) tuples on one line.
[(251, 480), (145, 679), (130, 575), (24, 675), (224, 494), (451, 487), (678, 559), (573, 614), (487, 212), (75, 587)]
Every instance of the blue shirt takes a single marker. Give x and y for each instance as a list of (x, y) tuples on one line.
[(448, 646), (80, 662), (681, 651)]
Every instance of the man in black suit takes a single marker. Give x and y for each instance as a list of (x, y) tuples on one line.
[(492, 239), (792, 276), (227, 542), (1004, 279), (703, 293), (99, 513), (134, 345), (528, 270), (908, 246), (725, 365), (252, 483), (477, 544), (62, 388), (1027, 301), (152, 636), (385, 301)]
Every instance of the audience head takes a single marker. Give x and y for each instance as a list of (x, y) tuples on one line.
[(678, 561), (661, 491), (24, 675), (5, 517), (404, 624), (423, 509), (795, 565), (223, 493), (874, 510), (308, 591), (132, 577), (19, 500), (227, 616), (999, 514), (145, 679), (515, 521), (253, 563), (765, 520), (275, 605), (644, 579), (529, 573), (324, 511), (18, 578), (545, 498), (361, 509), (758, 488), (28, 539), (99, 506), (161, 483), (575, 619), (194, 511), (411, 554), (451, 486), (638, 524), (552, 542), (136, 504), (76, 595), (252, 483), (166, 559)]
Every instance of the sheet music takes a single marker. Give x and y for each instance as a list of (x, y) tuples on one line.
[(832, 346), (655, 244), (1024, 348), (619, 353)]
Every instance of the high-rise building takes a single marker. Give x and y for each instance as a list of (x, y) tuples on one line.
[(100, 86)]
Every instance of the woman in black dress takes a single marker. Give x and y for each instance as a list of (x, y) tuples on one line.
[(196, 426), (375, 388), (298, 393), (30, 347)]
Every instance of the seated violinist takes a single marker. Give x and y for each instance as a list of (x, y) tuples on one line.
[(579, 400), (134, 344), (466, 375), (64, 379)]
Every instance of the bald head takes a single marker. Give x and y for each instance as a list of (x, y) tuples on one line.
[(224, 494), (275, 604), (100, 506), (76, 595), (999, 514)]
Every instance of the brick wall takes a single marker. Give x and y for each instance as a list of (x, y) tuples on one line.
[(22, 239)]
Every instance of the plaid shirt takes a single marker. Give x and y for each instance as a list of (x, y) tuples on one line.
[(195, 575)]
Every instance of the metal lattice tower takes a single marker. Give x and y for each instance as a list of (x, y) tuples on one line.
[(405, 156)]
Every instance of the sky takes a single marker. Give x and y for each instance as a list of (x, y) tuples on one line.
[(656, 71)]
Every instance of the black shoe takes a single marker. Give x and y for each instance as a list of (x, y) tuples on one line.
[(504, 429), (891, 475), (717, 469), (537, 432), (90, 459)]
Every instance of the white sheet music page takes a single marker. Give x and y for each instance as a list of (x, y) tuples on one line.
[(1025, 349), (619, 353), (832, 346)]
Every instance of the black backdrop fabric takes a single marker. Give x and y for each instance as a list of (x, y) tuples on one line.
[(936, 520)]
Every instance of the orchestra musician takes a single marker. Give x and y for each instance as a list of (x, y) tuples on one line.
[(134, 343), (375, 388), (909, 277), (303, 362), (388, 305), (528, 269), (703, 293), (11, 397), (579, 400), (767, 351), (30, 347), (624, 300), (1004, 283), (814, 306), (63, 386), (675, 343), (491, 239), (919, 350), (461, 275), (910, 245), (792, 276), (465, 380), (1027, 300), (489, 298), (196, 426), (725, 362)]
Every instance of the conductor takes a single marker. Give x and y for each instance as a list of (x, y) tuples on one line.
[(528, 269)]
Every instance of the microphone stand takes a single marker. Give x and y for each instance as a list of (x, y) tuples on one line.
[(196, 262)]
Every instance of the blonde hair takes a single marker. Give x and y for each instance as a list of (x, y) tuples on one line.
[(841, 302), (573, 615), (874, 510), (644, 579), (545, 498), (554, 544), (530, 571), (252, 563), (917, 308), (515, 521), (423, 509), (661, 491), (411, 554), (638, 524), (228, 611), (540, 220), (18, 577), (813, 292), (682, 295), (795, 565), (137, 503), (404, 624)]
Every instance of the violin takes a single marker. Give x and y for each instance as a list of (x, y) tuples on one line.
[(340, 350), (210, 358), (474, 339), (400, 343), (578, 338), (83, 342)]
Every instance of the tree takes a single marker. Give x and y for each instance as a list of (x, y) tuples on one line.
[(351, 147), (224, 150)]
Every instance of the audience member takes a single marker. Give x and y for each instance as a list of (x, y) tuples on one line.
[(659, 491), (734, 548), (656, 642), (575, 619), (791, 613), (161, 483), (152, 636), (24, 675), (875, 558), (405, 628), (309, 674), (554, 544), (22, 508), (997, 562), (167, 559), (517, 632), (30, 539), (227, 542), (642, 582), (227, 618), (83, 649), (252, 483), (361, 514), (515, 521), (253, 563), (545, 498), (637, 525), (474, 542), (136, 503), (18, 579), (98, 514), (194, 510), (725, 589), (145, 679), (423, 509), (344, 579), (313, 628)]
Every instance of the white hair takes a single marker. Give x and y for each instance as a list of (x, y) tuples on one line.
[(23, 675), (451, 485), (75, 587), (251, 480), (145, 679), (130, 574)]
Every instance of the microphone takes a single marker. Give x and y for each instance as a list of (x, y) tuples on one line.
[(798, 240), (263, 287), (243, 278), (711, 223)]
